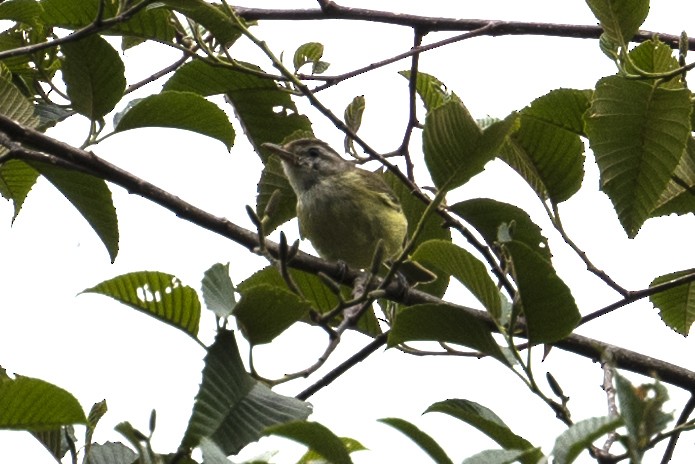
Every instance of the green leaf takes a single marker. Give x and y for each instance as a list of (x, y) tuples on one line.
[(265, 110), (310, 52), (676, 305), (265, 311), (455, 147), (424, 441), (638, 133), (231, 408), (488, 215), (16, 181), (179, 110), (23, 11), (218, 290), (501, 456), (432, 91), (319, 296), (149, 23), (16, 106), (678, 196), (546, 150), (549, 308), (94, 76), (212, 454), (580, 436), (36, 405), (312, 457), (90, 196), (110, 453), (285, 208), (353, 120), (445, 323), (654, 56), (212, 17), (57, 441), (620, 20), (315, 436), (487, 422), (159, 295), (641, 408), (465, 268)]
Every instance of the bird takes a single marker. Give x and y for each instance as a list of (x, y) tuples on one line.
[(344, 210)]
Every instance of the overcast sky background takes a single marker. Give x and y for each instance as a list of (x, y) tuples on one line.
[(98, 349)]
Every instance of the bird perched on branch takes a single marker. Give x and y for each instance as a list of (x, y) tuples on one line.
[(342, 209)]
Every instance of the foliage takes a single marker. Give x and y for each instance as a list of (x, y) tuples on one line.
[(58, 61)]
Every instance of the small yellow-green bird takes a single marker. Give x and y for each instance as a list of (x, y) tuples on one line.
[(343, 210)]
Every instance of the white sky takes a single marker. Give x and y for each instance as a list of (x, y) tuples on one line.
[(98, 349)]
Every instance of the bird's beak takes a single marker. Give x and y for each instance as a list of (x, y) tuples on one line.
[(281, 152)]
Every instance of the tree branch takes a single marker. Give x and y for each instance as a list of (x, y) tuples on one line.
[(583, 346), (331, 10)]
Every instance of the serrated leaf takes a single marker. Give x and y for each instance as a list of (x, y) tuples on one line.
[(676, 305), (546, 149), (487, 215), (420, 438), (549, 307), (94, 76), (273, 179), (36, 405), (265, 311), (23, 11), (315, 436), (212, 17), (654, 56), (500, 456), (353, 120), (157, 294), (641, 409), (310, 52), (679, 195), (620, 20), (110, 453), (432, 91), (455, 147), (218, 290), (90, 196), (179, 110), (638, 133), (231, 408), (487, 422), (314, 290), (580, 436), (465, 268), (266, 111), (149, 23), (16, 181), (445, 323)]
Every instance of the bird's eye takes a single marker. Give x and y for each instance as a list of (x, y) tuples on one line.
[(313, 152)]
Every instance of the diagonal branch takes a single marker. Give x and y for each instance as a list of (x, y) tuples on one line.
[(89, 162)]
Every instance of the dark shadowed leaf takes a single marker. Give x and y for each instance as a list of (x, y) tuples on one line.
[(441, 322), (90, 196), (420, 438), (94, 76), (549, 307), (265, 311), (316, 437), (488, 215), (179, 110), (676, 305), (487, 422)]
